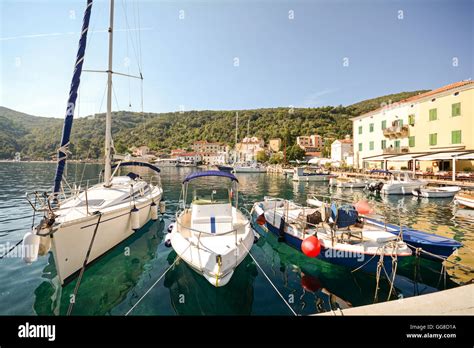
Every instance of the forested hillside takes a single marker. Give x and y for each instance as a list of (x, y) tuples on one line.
[(38, 137)]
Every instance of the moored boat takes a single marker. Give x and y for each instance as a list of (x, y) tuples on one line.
[(432, 243), (337, 233), (465, 199), (401, 183), (210, 234), (436, 192), (299, 174)]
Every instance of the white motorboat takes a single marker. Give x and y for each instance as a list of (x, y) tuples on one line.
[(345, 182), (436, 192), (166, 162), (211, 235), (252, 167), (465, 199), (186, 163), (401, 183), (300, 175), (85, 224)]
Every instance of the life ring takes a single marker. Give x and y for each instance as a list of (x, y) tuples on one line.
[(435, 164)]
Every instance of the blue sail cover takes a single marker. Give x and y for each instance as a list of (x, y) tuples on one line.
[(71, 103)]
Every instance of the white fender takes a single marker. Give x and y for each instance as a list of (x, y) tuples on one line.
[(162, 207), (168, 240), (30, 247), (135, 218), (154, 211), (171, 226)]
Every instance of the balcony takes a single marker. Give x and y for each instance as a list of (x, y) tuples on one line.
[(396, 150), (395, 132)]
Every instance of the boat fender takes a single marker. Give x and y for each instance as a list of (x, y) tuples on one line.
[(162, 207), (135, 218), (418, 192), (168, 240), (30, 246), (154, 211), (170, 227)]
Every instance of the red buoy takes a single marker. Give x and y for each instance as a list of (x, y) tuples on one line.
[(261, 220), (311, 246), (363, 207)]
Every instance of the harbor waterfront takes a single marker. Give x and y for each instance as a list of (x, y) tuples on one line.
[(117, 280)]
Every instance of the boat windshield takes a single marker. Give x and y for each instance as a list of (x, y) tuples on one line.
[(214, 196)]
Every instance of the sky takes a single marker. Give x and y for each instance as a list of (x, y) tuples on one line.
[(232, 54)]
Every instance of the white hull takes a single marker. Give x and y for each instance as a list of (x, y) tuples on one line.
[(400, 188), (465, 200), (74, 229), (306, 178), (439, 192), (249, 170), (201, 250)]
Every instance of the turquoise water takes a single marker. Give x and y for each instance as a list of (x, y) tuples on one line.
[(113, 284)]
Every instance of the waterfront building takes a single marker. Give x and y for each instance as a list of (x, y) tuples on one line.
[(428, 129), (248, 148), (342, 150), (274, 144), (204, 146), (312, 143)]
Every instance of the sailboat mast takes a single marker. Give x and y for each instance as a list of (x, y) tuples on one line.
[(236, 135), (108, 117)]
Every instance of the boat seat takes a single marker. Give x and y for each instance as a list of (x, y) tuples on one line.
[(379, 236), (212, 218)]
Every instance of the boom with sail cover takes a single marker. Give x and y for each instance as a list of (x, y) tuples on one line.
[(71, 103)]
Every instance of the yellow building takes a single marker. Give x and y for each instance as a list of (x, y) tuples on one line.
[(429, 129)]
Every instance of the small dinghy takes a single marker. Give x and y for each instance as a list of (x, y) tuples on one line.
[(332, 234), (211, 235), (465, 199), (436, 192), (429, 242)]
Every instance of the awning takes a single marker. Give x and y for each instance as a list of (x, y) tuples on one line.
[(377, 158), (438, 156), (466, 156)]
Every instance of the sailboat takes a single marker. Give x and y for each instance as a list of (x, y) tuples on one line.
[(80, 227)]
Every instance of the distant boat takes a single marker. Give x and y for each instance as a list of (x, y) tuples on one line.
[(186, 163), (224, 168), (436, 192), (87, 223), (465, 199), (166, 162), (210, 234), (299, 174), (401, 183), (252, 167), (345, 182)]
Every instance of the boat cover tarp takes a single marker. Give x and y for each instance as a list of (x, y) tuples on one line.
[(196, 175), (137, 164)]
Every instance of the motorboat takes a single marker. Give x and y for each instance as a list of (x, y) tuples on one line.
[(345, 182), (401, 183), (166, 162), (250, 167), (342, 239), (432, 243), (225, 168), (80, 224), (436, 192), (299, 174), (211, 234), (464, 198), (185, 163)]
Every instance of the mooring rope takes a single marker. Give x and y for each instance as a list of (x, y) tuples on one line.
[(273, 285), (76, 288)]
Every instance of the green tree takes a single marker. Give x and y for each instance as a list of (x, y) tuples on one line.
[(276, 158), (295, 153), (262, 156)]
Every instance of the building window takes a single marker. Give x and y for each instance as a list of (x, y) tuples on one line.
[(411, 120), (384, 125), (456, 137), (371, 127), (397, 144), (433, 139), (360, 129), (456, 109), (400, 123), (411, 141), (360, 146), (384, 144), (433, 114), (371, 145)]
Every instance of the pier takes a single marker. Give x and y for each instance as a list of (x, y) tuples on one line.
[(456, 301)]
